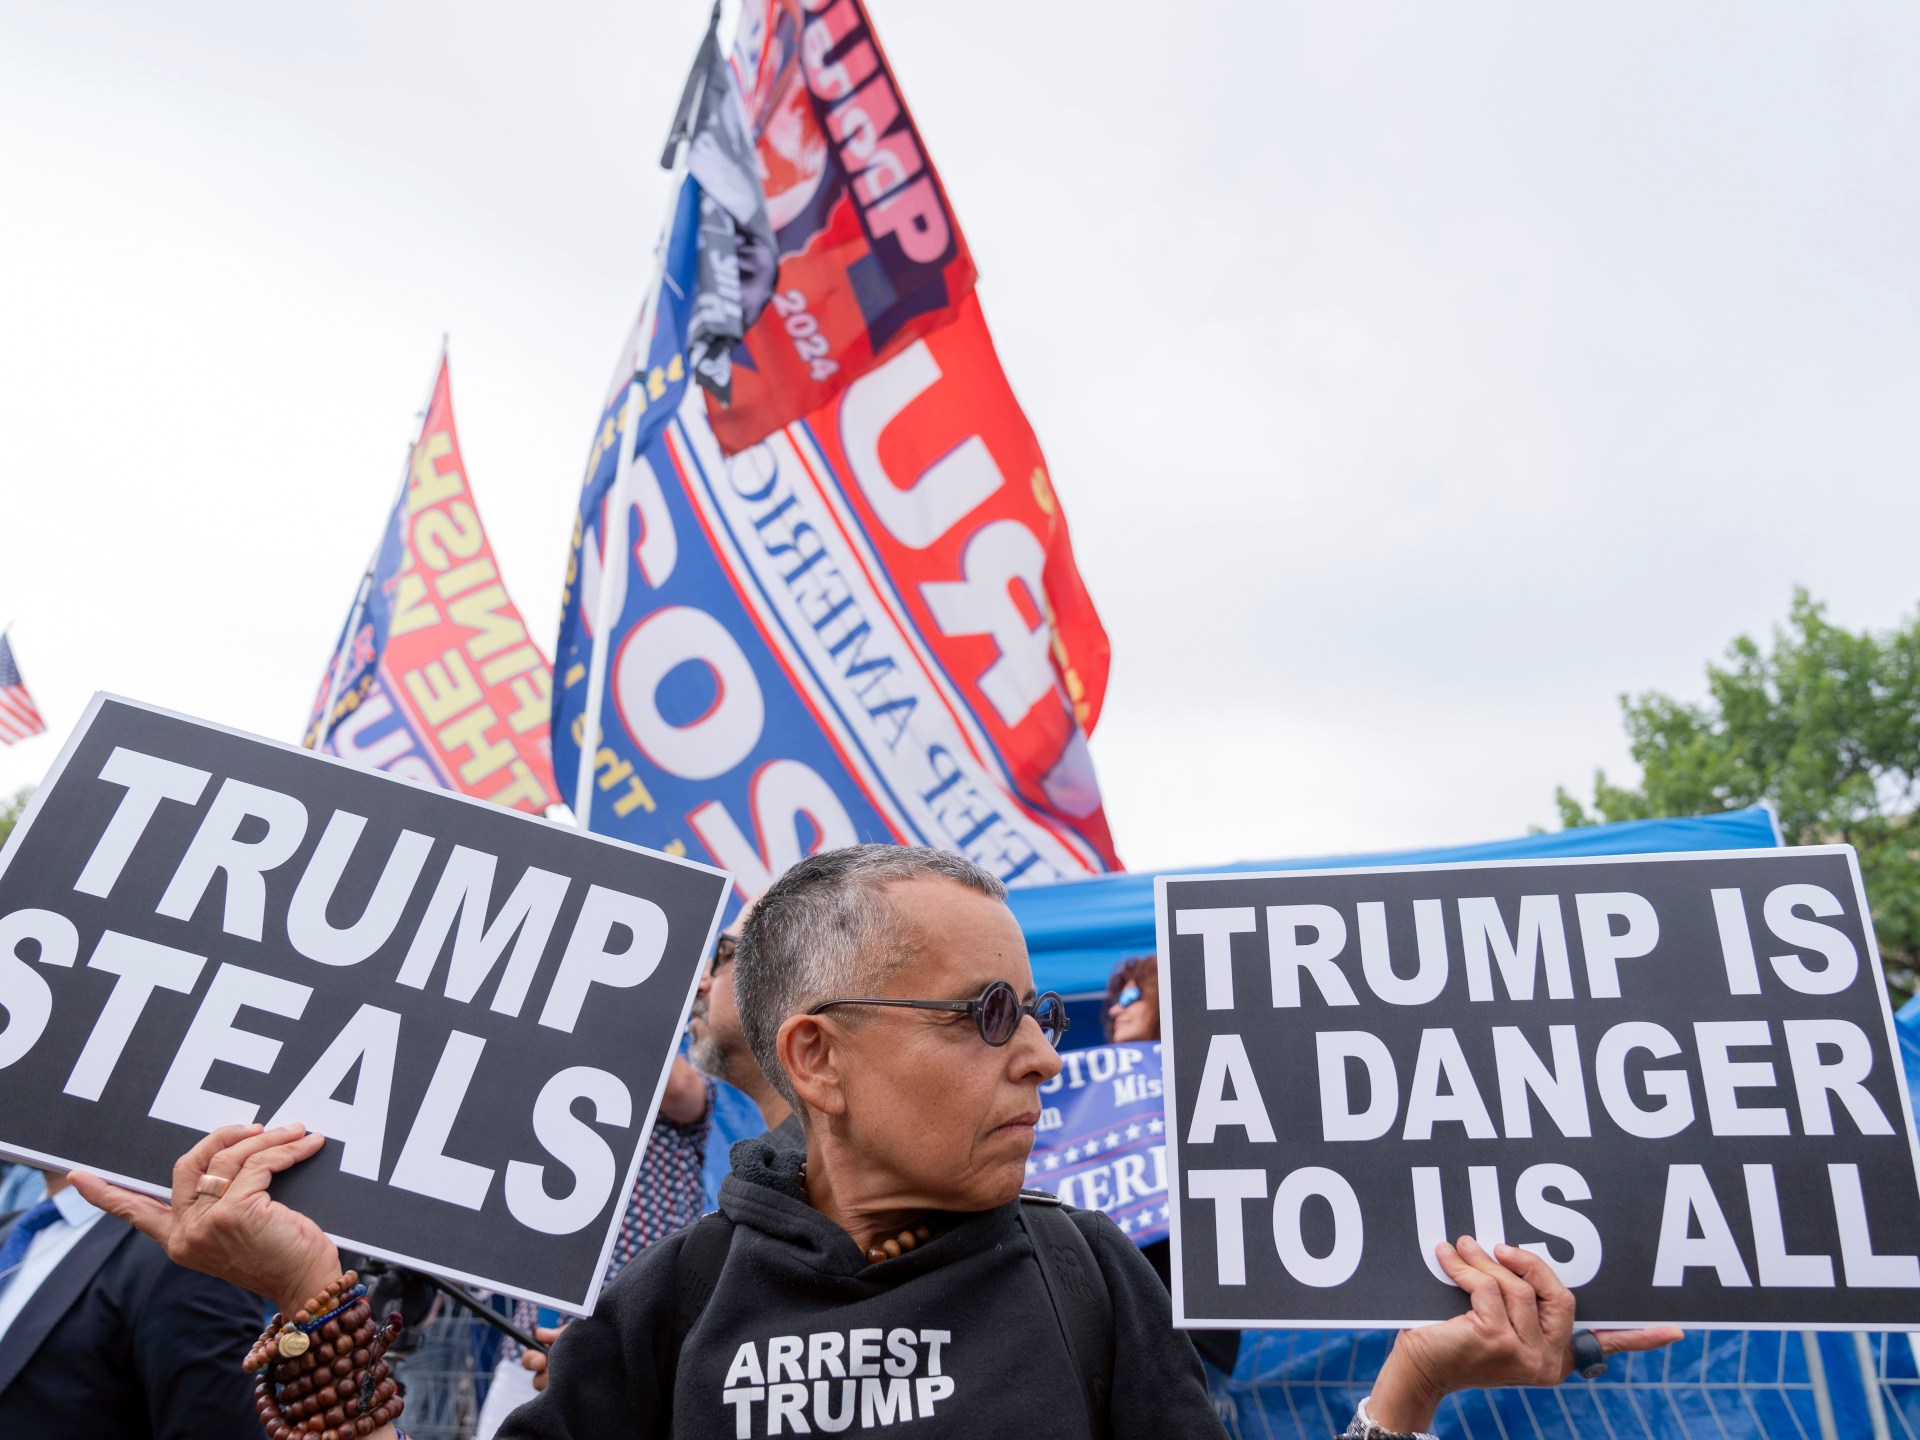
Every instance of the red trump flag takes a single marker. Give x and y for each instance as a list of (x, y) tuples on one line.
[(871, 256)]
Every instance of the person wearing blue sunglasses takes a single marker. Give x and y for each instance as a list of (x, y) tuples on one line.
[(1132, 1015)]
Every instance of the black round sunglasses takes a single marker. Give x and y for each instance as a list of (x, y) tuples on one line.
[(996, 1012)]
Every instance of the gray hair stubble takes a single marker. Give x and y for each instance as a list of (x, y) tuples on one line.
[(825, 929)]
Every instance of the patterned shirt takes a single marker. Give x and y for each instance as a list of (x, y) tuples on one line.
[(667, 1196)]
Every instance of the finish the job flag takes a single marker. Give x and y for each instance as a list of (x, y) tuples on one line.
[(434, 677), (867, 626)]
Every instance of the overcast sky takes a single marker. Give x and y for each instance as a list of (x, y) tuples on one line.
[(1416, 378)]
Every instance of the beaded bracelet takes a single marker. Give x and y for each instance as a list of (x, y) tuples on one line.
[(346, 1303), (322, 1373), (290, 1339)]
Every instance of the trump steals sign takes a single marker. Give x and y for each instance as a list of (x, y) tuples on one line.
[(478, 1008)]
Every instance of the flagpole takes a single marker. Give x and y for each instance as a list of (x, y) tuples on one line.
[(336, 670), (613, 539)]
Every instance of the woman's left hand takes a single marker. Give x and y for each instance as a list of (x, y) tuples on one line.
[(1518, 1331), (223, 1222)]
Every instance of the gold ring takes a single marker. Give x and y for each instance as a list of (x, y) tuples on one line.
[(212, 1186)]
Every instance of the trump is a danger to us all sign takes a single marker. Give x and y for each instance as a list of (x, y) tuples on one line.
[(1674, 1076), (478, 1008)]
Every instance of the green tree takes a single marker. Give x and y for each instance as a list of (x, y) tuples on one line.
[(1824, 725), (10, 812)]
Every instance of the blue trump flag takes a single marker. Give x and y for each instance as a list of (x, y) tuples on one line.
[(756, 677), (679, 689)]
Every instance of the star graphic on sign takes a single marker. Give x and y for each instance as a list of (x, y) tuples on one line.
[(1053, 1162), (1113, 1138), (1156, 1127), (1073, 1154), (1126, 1224), (1032, 1169), (1133, 1131), (1165, 1213)]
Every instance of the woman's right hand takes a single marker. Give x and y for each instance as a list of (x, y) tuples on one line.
[(240, 1234), (1517, 1330)]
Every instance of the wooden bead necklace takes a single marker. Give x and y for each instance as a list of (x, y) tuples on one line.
[(880, 1250), (893, 1249)]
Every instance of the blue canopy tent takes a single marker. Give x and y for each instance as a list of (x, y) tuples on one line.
[(1906, 1024), (1077, 932)]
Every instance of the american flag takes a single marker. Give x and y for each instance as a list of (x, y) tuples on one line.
[(19, 717)]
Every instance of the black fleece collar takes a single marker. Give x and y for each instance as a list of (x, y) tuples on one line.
[(758, 1162), (765, 1192)]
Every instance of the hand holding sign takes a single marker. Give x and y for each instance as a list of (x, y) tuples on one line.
[(1517, 1332), (222, 1220)]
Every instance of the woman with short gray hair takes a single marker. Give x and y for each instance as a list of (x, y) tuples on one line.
[(891, 1271)]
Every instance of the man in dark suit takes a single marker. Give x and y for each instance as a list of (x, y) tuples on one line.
[(102, 1336)]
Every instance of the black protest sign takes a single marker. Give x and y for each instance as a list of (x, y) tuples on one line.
[(478, 1009), (1674, 1076)]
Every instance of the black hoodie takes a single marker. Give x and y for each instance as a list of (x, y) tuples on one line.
[(804, 1337)]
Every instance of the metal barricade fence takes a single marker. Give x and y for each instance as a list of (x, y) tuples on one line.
[(1892, 1364), (1303, 1385), (1749, 1385), (446, 1377)]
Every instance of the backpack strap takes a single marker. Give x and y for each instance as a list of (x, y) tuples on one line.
[(1081, 1301)]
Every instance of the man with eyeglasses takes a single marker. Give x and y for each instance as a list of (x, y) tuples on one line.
[(719, 1049), (891, 1271)]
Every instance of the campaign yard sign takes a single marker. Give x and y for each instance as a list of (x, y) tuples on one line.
[(1674, 1076), (1101, 1141), (477, 1008)]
